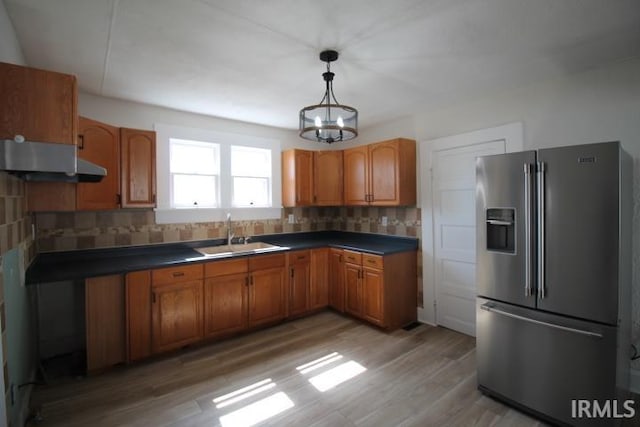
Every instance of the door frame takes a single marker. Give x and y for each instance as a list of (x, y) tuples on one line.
[(512, 134)]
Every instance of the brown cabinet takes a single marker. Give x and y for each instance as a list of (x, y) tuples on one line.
[(381, 290), (138, 314), (299, 281), (319, 279), (226, 297), (327, 178), (37, 104), (336, 279), (176, 313), (99, 143), (138, 163), (266, 289), (105, 321), (381, 174), (311, 178), (241, 293), (297, 178)]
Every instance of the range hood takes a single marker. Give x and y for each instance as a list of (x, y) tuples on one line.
[(46, 162)]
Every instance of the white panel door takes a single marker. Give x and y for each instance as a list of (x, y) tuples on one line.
[(454, 186)]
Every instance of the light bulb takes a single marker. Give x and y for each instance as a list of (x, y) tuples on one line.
[(340, 121), (318, 122)]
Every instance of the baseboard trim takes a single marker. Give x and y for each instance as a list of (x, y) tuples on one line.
[(634, 380)]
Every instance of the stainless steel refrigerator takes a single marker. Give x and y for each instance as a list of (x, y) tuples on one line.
[(553, 277)]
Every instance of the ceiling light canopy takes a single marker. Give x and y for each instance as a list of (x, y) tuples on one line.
[(328, 121)]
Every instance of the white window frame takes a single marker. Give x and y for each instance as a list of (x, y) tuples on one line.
[(209, 145), (165, 214), (269, 178)]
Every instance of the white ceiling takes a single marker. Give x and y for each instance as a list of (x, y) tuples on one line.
[(257, 60)]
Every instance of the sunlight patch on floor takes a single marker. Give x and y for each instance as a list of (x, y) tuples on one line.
[(258, 411), (337, 375)]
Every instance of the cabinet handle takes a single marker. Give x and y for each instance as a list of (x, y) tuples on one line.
[(80, 142), (292, 272), (301, 256), (119, 199), (370, 261), (251, 280), (246, 281), (153, 297), (178, 274)]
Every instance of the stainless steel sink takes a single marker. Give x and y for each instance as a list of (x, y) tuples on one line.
[(225, 250)]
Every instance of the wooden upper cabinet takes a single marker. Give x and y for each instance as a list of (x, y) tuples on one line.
[(327, 178), (138, 163), (99, 143), (297, 178), (37, 104), (392, 173), (356, 175), (381, 174)]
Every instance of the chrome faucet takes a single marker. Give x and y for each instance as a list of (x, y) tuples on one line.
[(230, 234)]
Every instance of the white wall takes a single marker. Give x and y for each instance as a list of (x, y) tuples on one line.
[(143, 116), (10, 50), (599, 105)]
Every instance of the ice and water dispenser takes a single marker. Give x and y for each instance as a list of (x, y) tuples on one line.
[(500, 225)]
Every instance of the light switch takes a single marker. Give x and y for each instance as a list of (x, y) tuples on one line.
[(292, 219), (384, 221)]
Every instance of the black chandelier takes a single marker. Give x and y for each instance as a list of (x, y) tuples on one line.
[(328, 121)]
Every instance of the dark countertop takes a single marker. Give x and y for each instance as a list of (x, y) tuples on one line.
[(75, 265)]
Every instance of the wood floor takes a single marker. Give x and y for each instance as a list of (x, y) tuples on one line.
[(422, 377)]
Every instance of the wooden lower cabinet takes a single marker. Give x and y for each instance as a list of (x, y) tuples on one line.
[(381, 290), (176, 316), (299, 281), (267, 295), (105, 321), (225, 304), (352, 289), (336, 279), (372, 295), (138, 314), (319, 279)]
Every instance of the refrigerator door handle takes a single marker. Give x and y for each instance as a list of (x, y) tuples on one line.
[(541, 230), (527, 229), (490, 308)]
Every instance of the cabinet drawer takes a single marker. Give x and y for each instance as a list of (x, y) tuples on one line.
[(223, 268), (301, 257), (261, 262), (375, 261), (176, 274), (352, 257)]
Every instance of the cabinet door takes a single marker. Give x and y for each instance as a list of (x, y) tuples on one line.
[(138, 162), (299, 288), (37, 104), (176, 315), (138, 314), (328, 178), (266, 295), (319, 279), (297, 178), (383, 165), (336, 280), (372, 295), (105, 321), (225, 304), (99, 143), (356, 178), (353, 289)]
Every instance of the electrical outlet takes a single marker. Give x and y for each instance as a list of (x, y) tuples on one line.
[(33, 231), (385, 221), (292, 219)]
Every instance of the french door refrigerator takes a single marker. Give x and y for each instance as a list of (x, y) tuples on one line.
[(553, 278)]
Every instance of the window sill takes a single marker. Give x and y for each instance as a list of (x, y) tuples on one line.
[(188, 215)]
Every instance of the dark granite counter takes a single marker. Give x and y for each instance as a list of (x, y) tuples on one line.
[(76, 265)]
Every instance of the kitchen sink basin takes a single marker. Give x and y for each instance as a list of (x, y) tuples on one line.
[(225, 250)]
